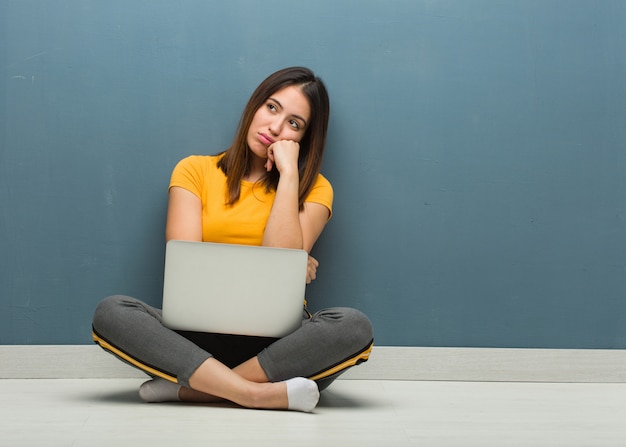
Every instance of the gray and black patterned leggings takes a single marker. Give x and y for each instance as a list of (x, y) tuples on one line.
[(327, 343)]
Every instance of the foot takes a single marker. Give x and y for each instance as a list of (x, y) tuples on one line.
[(302, 394), (159, 390)]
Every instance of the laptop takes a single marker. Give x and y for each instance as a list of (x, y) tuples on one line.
[(233, 289)]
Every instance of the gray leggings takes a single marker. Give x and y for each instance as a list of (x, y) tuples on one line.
[(327, 343)]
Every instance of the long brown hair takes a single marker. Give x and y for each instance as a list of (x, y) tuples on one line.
[(236, 160)]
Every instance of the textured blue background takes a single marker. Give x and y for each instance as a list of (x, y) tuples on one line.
[(477, 150)]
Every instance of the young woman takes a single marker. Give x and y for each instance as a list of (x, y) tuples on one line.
[(265, 189)]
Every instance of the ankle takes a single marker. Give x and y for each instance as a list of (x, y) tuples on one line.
[(268, 396), (190, 395)]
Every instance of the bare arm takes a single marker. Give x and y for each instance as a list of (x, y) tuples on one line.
[(283, 227), (312, 221), (287, 226), (184, 216)]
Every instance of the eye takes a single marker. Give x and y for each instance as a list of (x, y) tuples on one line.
[(271, 107), (294, 124)]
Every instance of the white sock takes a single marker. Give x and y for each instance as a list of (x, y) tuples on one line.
[(159, 390), (302, 394)]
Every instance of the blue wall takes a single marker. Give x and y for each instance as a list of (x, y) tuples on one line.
[(477, 149)]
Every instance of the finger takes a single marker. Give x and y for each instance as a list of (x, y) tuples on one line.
[(311, 270), (271, 159)]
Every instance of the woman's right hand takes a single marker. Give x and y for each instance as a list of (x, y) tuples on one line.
[(311, 270)]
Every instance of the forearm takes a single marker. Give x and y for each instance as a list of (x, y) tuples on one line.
[(283, 227)]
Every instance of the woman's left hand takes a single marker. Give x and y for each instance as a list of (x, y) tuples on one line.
[(284, 155), (311, 269)]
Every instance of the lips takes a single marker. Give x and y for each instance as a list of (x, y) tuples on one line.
[(265, 139)]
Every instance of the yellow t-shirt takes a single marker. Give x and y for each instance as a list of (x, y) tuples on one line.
[(244, 221)]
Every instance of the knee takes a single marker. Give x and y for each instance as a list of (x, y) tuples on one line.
[(352, 325), (361, 324), (110, 311)]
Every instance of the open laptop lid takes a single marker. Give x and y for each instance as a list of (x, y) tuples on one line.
[(233, 289)]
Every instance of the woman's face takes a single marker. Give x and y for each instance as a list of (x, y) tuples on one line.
[(284, 116)]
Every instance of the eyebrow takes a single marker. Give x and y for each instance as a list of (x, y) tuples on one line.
[(281, 106)]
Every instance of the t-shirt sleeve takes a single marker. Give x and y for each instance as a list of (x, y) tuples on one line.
[(189, 174), (322, 193)]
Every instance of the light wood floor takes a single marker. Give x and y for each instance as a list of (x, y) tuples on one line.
[(108, 412)]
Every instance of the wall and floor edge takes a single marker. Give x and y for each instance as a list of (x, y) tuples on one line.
[(386, 363)]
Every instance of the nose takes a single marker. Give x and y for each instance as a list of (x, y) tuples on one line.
[(275, 127)]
